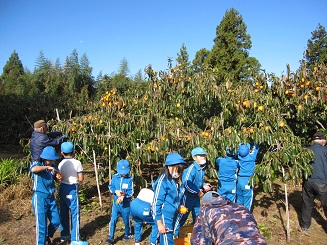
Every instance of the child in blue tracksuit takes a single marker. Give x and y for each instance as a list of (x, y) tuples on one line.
[(227, 175), (246, 159), (44, 173), (121, 187), (72, 174), (141, 211), (166, 201), (193, 187)]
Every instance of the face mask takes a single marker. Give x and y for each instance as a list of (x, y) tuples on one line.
[(202, 162), (175, 175)]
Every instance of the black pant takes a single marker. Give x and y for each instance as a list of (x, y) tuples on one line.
[(310, 191)]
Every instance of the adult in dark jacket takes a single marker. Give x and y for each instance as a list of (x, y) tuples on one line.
[(316, 185), (41, 138)]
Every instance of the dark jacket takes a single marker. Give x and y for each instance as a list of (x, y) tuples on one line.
[(319, 164), (39, 141)]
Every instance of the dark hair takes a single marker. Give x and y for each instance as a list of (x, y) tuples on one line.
[(68, 153), (165, 171)]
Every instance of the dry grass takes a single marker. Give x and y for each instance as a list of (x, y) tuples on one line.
[(15, 200)]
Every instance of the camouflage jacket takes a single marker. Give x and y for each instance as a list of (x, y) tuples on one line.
[(221, 221)]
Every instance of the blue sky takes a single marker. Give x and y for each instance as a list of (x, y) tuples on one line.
[(148, 32)]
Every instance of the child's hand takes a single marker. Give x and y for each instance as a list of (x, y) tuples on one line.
[(51, 169), (118, 193), (58, 176), (200, 194), (120, 199), (206, 187), (161, 228)]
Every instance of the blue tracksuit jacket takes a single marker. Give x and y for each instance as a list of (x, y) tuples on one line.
[(44, 203), (244, 191), (165, 205), (124, 184), (192, 182), (227, 177)]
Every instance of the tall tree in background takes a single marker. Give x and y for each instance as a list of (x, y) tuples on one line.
[(13, 76), (230, 54), (87, 80), (123, 67), (316, 52), (182, 56), (198, 62)]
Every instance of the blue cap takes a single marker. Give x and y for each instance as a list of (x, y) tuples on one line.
[(174, 158), (123, 167), (49, 153), (209, 196), (67, 147), (244, 149), (198, 151)]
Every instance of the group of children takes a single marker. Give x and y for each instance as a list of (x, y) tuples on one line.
[(167, 207), (45, 172), (175, 193), (234, 173), (160, 206)]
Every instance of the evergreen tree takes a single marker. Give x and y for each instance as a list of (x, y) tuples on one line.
[(182, 56), (41, 62), (138, 76), (123, 67), (198, 62), (316, 52), (86, 80), (13, 76), (229, 56)]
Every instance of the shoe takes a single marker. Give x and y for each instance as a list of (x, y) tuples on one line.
[(48, 241), (126, 238), (137, 242), (79, 243), (305, 231), (110, 240), (64, 238)]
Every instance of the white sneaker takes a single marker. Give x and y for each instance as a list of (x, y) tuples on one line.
[(79, 243)]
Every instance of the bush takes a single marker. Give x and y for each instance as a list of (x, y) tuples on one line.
[(9, 171)]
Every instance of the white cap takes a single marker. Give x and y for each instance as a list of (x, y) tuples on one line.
[(146, 195)]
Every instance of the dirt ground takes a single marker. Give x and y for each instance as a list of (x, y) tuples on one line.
[(17, 223)]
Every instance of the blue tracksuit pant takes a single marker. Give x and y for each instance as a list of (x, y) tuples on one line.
[(192, 203), (123, 210), (45, 208), (141, 212), (244, 192), (168, 220), (227, 189), (69, 201)]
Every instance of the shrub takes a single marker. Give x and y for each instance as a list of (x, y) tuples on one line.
[(9, 171)]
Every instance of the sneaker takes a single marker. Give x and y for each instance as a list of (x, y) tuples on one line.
[(79, 243), (305, 231), (48, 241), (110, 240), (65, 238), (137, 242), (126, 238)]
